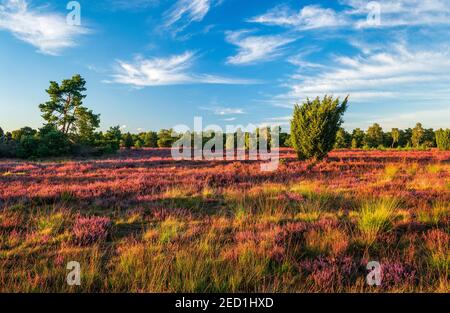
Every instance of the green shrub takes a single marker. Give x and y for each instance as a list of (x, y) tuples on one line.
[(127, 141), (314, 126), (151, 139), (52, 142), (165, 139), (27, 147)]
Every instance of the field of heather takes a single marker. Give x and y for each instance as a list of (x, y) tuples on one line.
[(142, 222)]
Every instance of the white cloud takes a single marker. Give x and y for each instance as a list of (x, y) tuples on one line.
[(402, 12), (309, 17), (433, 117), (184, 12), (394, 13), (277, 121), (299, 59), (47, 31), (436, 118), (255, 48), (223, 110), (131, 4), (397, 74), (173, 70)]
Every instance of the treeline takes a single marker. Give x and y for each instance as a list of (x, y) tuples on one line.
[(70, 129), (165, 138), (48, 141), (375, 138)]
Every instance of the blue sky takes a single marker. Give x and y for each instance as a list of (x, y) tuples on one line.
[(152, 64)]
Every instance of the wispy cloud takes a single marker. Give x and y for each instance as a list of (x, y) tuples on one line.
[(254, 49), (47, 31), (437, 118), (393, 13), (397, 74), (309, 17), (218, 110), (402, 12), (277, 121), (184, 12), (131, 4), (299, 59), (173, 70)]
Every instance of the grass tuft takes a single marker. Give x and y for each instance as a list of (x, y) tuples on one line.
[(376, 216)]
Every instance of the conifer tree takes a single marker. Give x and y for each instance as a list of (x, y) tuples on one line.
[(314, 126)]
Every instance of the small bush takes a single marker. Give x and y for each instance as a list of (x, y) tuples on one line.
[(314, 127)]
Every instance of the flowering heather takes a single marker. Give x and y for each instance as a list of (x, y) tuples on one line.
[(142, 222), (88, 230), (396, 273)]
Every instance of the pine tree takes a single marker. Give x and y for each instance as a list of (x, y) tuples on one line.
[(151, 139), (65, 109), (165, 139), (314, 126), (128, 141)]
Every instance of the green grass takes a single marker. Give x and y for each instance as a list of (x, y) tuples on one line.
[(376, 216), (439, 211), (391, 171)]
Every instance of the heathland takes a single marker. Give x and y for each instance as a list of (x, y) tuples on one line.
[(140, 221)]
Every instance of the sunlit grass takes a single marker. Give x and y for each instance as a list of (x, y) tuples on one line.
[(435, 168), (170, 229), (391, 171), (50, 224), (305, 188), (436, 214), (376, 216), (329, 241), (438, 246), (411, 168)]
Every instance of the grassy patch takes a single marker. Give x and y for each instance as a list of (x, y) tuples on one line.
[(438, 213), (376, 216)]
